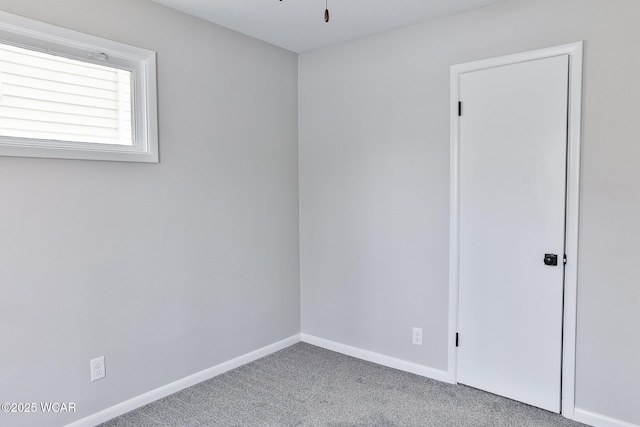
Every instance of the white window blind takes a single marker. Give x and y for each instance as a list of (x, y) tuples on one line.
[(43, 96), (69, 95)]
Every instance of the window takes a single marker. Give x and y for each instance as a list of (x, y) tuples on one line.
[(65, 94)]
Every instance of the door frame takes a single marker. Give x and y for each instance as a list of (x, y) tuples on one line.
[(575, 52)]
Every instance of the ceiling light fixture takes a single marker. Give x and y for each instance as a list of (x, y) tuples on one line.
[(326, 10)]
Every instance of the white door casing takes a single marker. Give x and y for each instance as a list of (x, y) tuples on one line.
[(497, 251)]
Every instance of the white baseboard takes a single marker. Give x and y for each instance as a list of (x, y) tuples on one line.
[(176, 386), (598, 420), (580, 415), (378, 358)]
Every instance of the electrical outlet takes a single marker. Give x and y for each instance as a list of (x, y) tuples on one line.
[(97, 368), (417, 336)]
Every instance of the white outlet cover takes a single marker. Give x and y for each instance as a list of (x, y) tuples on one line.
[(97, 368), (417, 336)]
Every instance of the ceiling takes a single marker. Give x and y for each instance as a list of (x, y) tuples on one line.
[(298, 25)]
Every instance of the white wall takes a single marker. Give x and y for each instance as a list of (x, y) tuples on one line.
[(165, 269), (374, 185)]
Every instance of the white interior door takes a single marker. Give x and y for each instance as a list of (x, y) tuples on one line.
[(513, 144)]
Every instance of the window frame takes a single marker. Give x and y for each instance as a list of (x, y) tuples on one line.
[(39, 36)]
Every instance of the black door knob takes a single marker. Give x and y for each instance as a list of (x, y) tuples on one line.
[(550, 259)]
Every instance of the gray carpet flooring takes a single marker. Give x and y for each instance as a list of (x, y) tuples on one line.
[(304, 385)]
